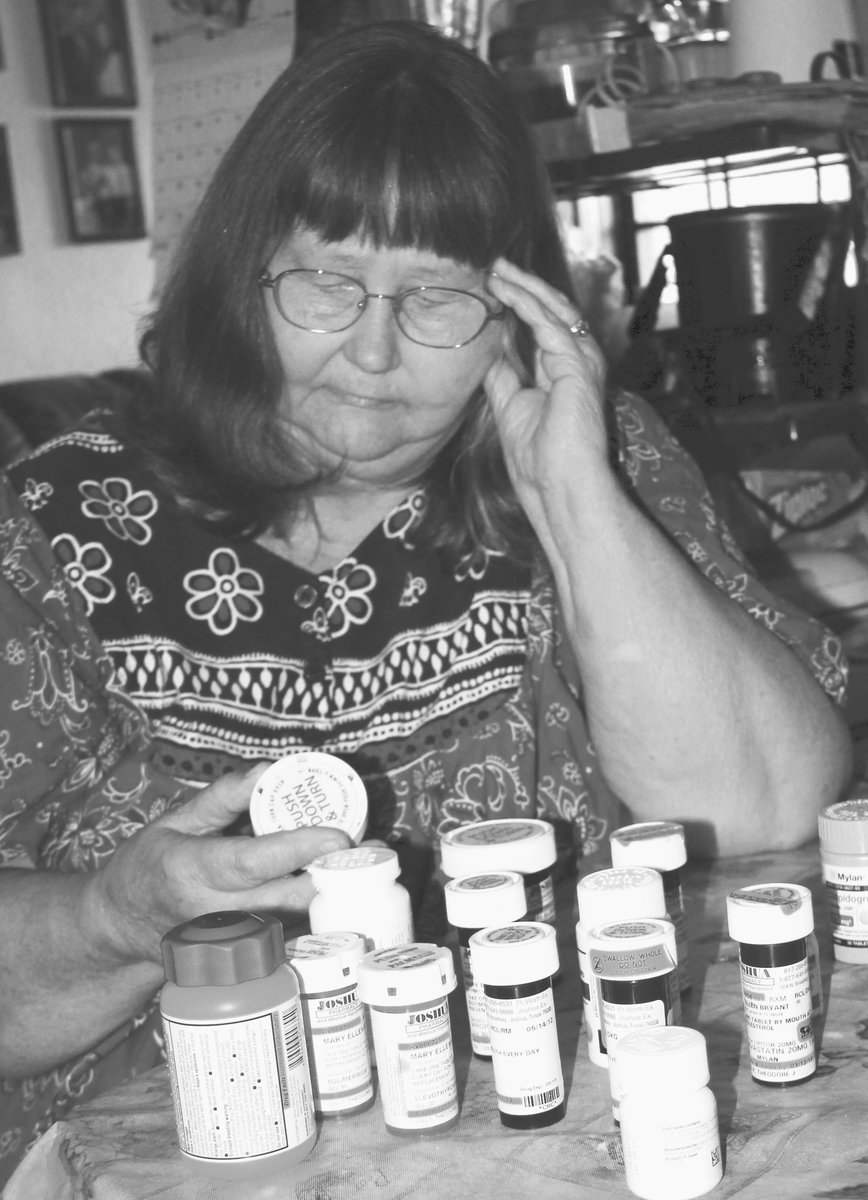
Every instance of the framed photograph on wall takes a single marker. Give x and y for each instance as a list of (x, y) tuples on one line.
[(101, 179), (10, 242), (87, 48)]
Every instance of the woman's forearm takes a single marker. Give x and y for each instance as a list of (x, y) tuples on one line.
[(697, 711), (62, 987)]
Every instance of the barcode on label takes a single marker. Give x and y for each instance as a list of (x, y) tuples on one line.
[(292, 1037), (542, 1099)]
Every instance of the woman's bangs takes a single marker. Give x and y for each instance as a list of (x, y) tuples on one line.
[(406, 197)]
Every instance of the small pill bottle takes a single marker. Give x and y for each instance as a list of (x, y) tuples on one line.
[(472, 902), (407, 991), (234, 1036), (515, 964), (634, 963), (358, 890), (661, 845), (523, 844), (335, 1022), (612, 894), (844, 861), (309, 788), (669, 1130), (772, 923)]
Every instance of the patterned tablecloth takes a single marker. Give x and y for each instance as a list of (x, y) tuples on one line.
[(808, 1141)]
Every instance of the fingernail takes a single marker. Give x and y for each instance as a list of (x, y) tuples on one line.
[(333, 843)]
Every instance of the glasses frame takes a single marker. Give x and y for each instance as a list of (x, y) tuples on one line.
[(395, 300)]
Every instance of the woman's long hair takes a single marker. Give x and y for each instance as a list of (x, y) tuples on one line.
[(390, 132)]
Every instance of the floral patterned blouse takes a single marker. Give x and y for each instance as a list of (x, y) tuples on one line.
[(145, 654)]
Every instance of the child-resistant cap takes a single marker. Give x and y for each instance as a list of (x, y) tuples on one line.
[(473, 901), (769, 914), (524, 844), (357, 866), (619, 893), (521, 952), (627, 949), (657, 844), (397, 976), (844, 826), (306, 789), (326, 961), (662, 1058), (222, 947)]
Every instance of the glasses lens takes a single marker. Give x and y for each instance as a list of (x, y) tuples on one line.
[(318, 300), (441, 317)]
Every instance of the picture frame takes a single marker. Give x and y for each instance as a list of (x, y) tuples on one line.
[(10, 240), (101, 182), (87, 49)]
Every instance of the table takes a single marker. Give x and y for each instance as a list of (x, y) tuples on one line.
[(781, 1144)]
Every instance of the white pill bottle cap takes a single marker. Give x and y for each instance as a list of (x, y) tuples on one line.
[(474, 901), (770, 914), (306, 789), (662, 1058), (401, 976), (525, 844), (659, 844), (354, 868), (509, 955), (619, 893), (326, 961), (843, 826)]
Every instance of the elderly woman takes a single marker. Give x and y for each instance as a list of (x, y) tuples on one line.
[(380, 505)]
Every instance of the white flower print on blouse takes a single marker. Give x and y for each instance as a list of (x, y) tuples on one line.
[(35, 495), (347, 599), (85, 567), (414, 589), (225, 593), (124, 512), (402, 520), (139, 594), (475, 564), (638, 450)]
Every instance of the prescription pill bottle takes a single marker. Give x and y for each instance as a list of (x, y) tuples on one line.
[(407, 990), (358, 890), (634, 963), (522, 844), (309, 788), (661, 845), (516, 964), (335, 1023), (612, 894), (669, 1130), (472, 902), (844, 860), (241, 1087), (772, 923)]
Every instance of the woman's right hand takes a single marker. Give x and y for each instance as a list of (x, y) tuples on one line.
[(182, 865)]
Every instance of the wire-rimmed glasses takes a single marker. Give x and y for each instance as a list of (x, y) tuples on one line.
[(324, 302)]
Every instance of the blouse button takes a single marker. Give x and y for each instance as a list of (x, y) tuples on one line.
[(305, 595)]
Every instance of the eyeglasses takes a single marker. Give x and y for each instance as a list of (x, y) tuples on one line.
[(323, 302)]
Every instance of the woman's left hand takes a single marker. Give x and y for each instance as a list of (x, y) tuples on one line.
[(545, 424)]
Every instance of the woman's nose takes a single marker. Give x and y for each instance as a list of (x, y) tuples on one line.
[(374, 340)]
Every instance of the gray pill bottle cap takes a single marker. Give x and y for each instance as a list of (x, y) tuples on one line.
[(223, 948)]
